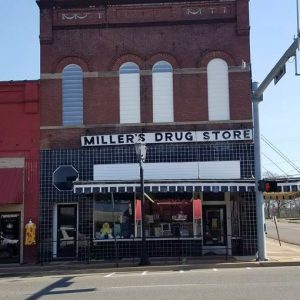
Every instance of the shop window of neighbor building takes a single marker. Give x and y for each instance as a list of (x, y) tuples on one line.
[(72, 84), (218, 90), (129, 81), (162, 84)]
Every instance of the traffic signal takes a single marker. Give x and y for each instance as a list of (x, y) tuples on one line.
[(270, 186), (267, 186)]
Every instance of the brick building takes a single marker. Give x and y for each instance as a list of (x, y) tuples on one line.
[(173, 74), (19, 170)]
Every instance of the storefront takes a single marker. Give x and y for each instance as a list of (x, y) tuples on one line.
[(199, 200), (191, 107)]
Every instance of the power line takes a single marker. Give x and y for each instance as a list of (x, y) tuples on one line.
[(272, 146), (275, 164)]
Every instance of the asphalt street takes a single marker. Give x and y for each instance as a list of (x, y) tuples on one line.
[(214, 284), (289, 231)]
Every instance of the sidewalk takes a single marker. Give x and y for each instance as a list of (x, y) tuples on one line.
[(284, 255)]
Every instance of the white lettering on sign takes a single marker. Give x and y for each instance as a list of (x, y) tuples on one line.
[(167, 137)]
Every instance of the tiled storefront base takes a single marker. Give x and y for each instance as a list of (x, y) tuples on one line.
[(131, 249), (112, 250), (155, 248), (83, 161)]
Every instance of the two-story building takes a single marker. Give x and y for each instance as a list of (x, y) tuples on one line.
[(174, 74)]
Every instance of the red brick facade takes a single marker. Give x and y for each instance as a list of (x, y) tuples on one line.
[(174, 73), (19, 148), (99, 38)]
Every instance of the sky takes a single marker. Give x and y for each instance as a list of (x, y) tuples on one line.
[(273, 28)]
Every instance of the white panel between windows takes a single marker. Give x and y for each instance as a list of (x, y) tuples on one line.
[(72, 95), (130, 98), (218, 90), (162, 97), (182, 170)]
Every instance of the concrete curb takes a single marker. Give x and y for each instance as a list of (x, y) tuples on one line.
[(39, 271)]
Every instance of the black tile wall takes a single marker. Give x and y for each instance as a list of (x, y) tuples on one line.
[(83, 159), (248, 223)]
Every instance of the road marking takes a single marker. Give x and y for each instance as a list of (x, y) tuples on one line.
[(145, 273), (181, 271), (109, 275), (162, 286), (248, 268), (215, 270)]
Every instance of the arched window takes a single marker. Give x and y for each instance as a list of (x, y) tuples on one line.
[(130, 93), (162, 84), (72, 84), (218, 90)]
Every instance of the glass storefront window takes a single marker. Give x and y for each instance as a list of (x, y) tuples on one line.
[(9, 237), (167, 215), (113, 217)]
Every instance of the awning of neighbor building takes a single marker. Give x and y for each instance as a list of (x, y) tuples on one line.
[(282, 195), (11, 186), (88, 187)]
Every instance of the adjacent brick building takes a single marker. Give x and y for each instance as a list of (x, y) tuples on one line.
[(19, 169), (174, 74)]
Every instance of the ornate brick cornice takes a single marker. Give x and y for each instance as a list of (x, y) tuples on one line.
[(130, 15)]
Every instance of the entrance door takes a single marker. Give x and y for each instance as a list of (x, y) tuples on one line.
[(66, 230), (9, 237), (214, 226)]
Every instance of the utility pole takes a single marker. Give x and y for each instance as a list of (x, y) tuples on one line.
[(257, 96)]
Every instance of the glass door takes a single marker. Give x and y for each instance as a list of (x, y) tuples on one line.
[(214, 226), (66, 230), (9, 237)]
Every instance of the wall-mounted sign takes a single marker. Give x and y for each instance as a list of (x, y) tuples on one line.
[(167, 137)]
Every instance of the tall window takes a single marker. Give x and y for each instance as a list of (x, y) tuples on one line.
[(130, 93), (162, 83), (218, 90), (72, 95)]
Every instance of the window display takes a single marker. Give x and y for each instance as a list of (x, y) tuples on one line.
[(113, 217), (9, 237), (167, 215)]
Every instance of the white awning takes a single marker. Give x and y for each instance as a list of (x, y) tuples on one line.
[(88, 187)]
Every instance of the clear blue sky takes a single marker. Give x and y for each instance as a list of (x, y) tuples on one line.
[(273, 26)]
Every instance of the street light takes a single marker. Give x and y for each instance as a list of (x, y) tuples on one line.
[(257, 97), (141, 149)]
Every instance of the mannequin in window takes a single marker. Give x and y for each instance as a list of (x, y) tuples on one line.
[(106, 231)]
